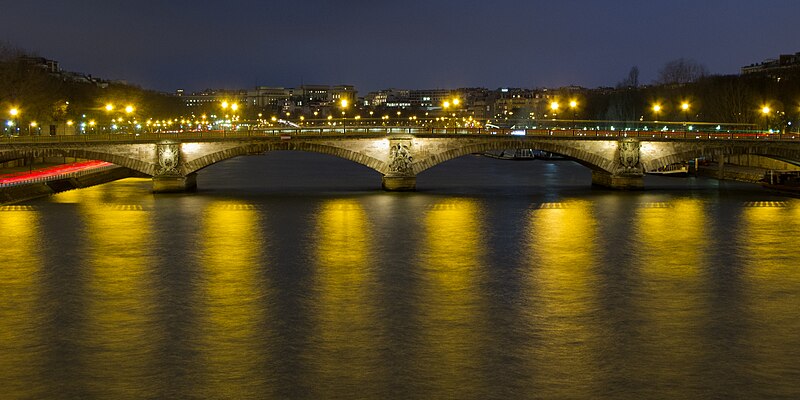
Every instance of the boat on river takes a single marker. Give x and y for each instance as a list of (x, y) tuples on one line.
[(783, 181), (674, 170), (522, 154)]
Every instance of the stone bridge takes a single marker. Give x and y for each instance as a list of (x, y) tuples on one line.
[(617, 159)]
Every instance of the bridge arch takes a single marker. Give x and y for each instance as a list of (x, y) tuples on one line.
[(209, 159), (572, 151), (783, 154)]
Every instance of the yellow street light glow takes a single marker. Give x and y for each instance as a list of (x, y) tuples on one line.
[(573, 104), (69, 123), (234, 106), (91, 123), (765, 110), (446, 104), (224, 104), (344, 103), (554, 106), (129, 109), (14, 112), (455, 102), (656, 107), (684, 106), (33, 124), (109, 107)]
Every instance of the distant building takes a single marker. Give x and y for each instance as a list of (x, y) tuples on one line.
[(782, 63), (210, 97), (50, 66)]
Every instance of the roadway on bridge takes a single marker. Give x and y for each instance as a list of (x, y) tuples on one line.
[(48, 173)]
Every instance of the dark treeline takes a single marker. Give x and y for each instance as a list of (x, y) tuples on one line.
[(710, 98), (43, 95)]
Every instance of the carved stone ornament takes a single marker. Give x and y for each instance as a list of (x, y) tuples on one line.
[(169, 156), (400, 159), (629, 155)]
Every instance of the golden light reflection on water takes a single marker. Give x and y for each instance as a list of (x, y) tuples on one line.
[(562, 300), (232, 332), (21, 318), (348, 329), (450, 305), (121, 333), (771, 268), (672, 298)]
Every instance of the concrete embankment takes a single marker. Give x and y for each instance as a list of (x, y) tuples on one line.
[(19, 193)]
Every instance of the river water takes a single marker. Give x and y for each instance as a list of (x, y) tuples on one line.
[(291, 275)]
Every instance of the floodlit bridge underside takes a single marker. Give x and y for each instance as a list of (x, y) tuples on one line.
[(618, 163)]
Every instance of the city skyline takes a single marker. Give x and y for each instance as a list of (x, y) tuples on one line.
[(198, 45)]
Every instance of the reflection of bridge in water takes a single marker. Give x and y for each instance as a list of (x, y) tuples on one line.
[(618, 159)]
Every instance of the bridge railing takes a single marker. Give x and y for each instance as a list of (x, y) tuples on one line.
[(343, 131)]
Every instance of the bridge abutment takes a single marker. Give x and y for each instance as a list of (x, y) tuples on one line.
[(619, 182), (399, 183), (174, 184)]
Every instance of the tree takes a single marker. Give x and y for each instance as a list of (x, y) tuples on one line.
[(632, 81), (681, 71)]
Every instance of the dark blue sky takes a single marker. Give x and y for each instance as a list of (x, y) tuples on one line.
[(170, 44)]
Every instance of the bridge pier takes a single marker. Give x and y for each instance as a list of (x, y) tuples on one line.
[(619, 182), (174, 184), (399, 183)]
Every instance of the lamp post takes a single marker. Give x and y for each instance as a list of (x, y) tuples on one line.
[(14, 112), (573, 105), (554, 109), (656, 111), (765, 110), (224, 106), (344, 103), (685, 109)]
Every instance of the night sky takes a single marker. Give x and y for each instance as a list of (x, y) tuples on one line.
[(166, 44)]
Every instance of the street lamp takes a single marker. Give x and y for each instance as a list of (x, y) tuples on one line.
[(656, 111), (765, 110), (224, 106), (573, 105), (109, 108), (344, 103), (554, 109), (685, 109), (15, 115), (129, 109)]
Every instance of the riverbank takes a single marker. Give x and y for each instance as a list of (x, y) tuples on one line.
[(20, 193)]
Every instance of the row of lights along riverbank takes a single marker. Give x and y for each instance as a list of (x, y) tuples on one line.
[(128, 121)]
